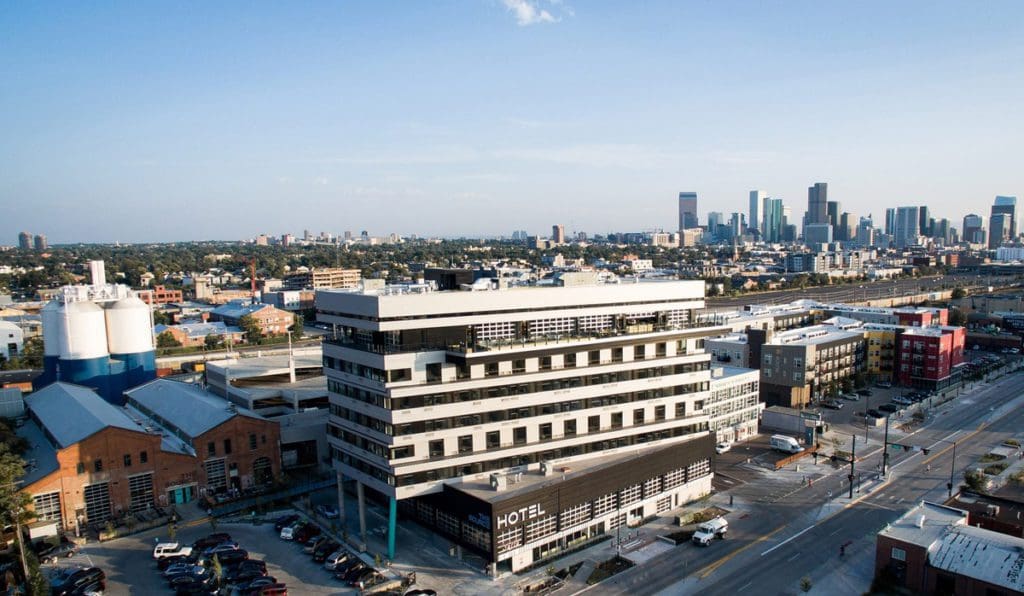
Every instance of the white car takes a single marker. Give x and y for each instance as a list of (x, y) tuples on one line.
[(723, 447), (850, 396), (903, 401)]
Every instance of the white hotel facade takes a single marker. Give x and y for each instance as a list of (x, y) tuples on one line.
[(524, 422)]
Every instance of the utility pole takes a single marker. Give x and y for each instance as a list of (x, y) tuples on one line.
[(853, 463), (885, 447), (952, 464)]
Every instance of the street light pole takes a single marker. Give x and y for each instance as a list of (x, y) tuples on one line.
[(952, 464), (885, 447), (853, 464)]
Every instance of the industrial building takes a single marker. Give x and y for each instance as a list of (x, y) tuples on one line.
[(99, 336), (521, 422)]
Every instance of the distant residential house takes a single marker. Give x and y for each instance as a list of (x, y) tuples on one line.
[(194, 334), (272, 320)]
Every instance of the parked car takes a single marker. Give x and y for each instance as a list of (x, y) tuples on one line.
[(352, 573), (165, 562), (220, 548), (305, 533), (285, 520), (334, 560), (850, 396), (889, 408), (170, 549), (367, 578), (211, 540), (288, 532), (52, 552), (883, 385), (226, 558), (832, 404), (865, 392), (323, 549), (327, 511), (903, 401), (723, 447), (271, 590), (874, 413), (78, 581), (707, 531)]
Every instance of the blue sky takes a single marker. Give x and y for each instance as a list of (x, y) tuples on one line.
[(178, 121)]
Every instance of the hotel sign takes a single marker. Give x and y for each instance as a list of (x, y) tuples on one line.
[(520, 515)]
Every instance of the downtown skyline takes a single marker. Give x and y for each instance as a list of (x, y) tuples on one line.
[(134, 124)]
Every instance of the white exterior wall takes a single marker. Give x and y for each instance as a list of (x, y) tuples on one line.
[(734, 406)]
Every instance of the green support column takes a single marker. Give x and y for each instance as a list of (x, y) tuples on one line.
[(392, 522)]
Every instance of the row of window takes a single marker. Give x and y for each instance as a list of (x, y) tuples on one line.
[(97, 464), (449, 397), (211, 447), (495, 416), (503, 463)]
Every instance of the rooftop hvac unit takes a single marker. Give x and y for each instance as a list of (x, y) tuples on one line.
[(499, 482)]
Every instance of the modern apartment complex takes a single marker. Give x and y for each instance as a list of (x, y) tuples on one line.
[(520, 422), (802, 365), (323, 278)]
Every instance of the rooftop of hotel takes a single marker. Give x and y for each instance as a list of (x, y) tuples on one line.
[(728, 372), (815, 334), (925, 523), (933, 331)]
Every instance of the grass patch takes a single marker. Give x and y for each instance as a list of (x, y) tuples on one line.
[(991, 457), (996, 469), (1012, 442)]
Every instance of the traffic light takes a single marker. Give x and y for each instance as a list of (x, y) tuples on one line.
[(925, 450)]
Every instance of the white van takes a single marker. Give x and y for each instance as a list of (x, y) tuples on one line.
[(785, 444), (707, 531), (170, 549)]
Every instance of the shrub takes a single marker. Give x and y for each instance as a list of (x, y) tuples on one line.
[(996, 469)]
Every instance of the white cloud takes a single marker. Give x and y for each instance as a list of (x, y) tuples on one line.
[(529, 12)]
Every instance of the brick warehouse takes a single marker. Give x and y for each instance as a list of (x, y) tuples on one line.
[(90, 461)]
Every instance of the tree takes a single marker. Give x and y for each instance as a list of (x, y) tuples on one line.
[(161, 318), (166, 340), (251, 327), (211, 342), (296, 328), (959, 293), (957, 318)]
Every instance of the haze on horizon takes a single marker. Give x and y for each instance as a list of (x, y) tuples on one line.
[(140, 122)]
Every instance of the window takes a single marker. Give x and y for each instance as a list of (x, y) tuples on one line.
[(638, 352), (545, 431), (545, 362), (616, 354), (81, 468), (98, 465), (638, 416), (252, 441), (898, 554), (127, 460), (681, 409), (466, 444), (594, 357), (519, 435), (569, 428), (617, 420), (593, 424), (493, 439), (263, 439), (211, 448), (570, 360), (227, 446), (519, 366), (436, 448), (143, 457), (659, 412), (400, 374), (491, 369)]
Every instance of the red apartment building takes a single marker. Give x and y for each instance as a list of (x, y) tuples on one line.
[(160, 295), (928, 357)]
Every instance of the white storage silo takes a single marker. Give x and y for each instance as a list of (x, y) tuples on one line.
[(83, 355), (130, 340)]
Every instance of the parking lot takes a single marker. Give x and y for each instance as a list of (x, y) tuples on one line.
[(131, 569)]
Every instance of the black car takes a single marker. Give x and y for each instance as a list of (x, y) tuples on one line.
[(286, 520), (346, 565), (865, 392), (227, 558), (211, 540), (204, 579), (369, 577), (258, 582), (352, 573), (875, 413), (889, 408), (195, 589), (51, 552), (164, 562), (323, 549), (78, 581)]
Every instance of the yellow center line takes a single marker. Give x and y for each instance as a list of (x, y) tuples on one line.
[(709, 569), (961, 440)]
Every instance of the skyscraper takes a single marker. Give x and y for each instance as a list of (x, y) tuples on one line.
[(1007, 205), (974, 229), (999, 229), (25, 241), (865, 232), (772, 220), (844, 231), (817, 203), (754, 217), (890, 221), (688, 211), (907, 231), (558, 234), (40, 242), (924, 221), (715, 219), (832, 210)]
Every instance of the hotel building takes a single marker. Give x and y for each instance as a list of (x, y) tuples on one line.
[(521, 423)]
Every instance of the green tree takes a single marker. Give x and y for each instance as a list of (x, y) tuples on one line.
[(296, 328), (957, 317), (212, 342), (959, 293), (166, 340), (251, 327), (161, 318)]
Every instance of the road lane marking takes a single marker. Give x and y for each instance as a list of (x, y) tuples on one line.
[(791, 559), (793, 537), (837, 530), (709, 569)]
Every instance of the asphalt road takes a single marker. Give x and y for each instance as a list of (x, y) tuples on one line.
[(771, 548)]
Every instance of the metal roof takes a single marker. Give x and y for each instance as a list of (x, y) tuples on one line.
[(981, 554), (188, 408), (71, 413), (197, 330), (40, 458)]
